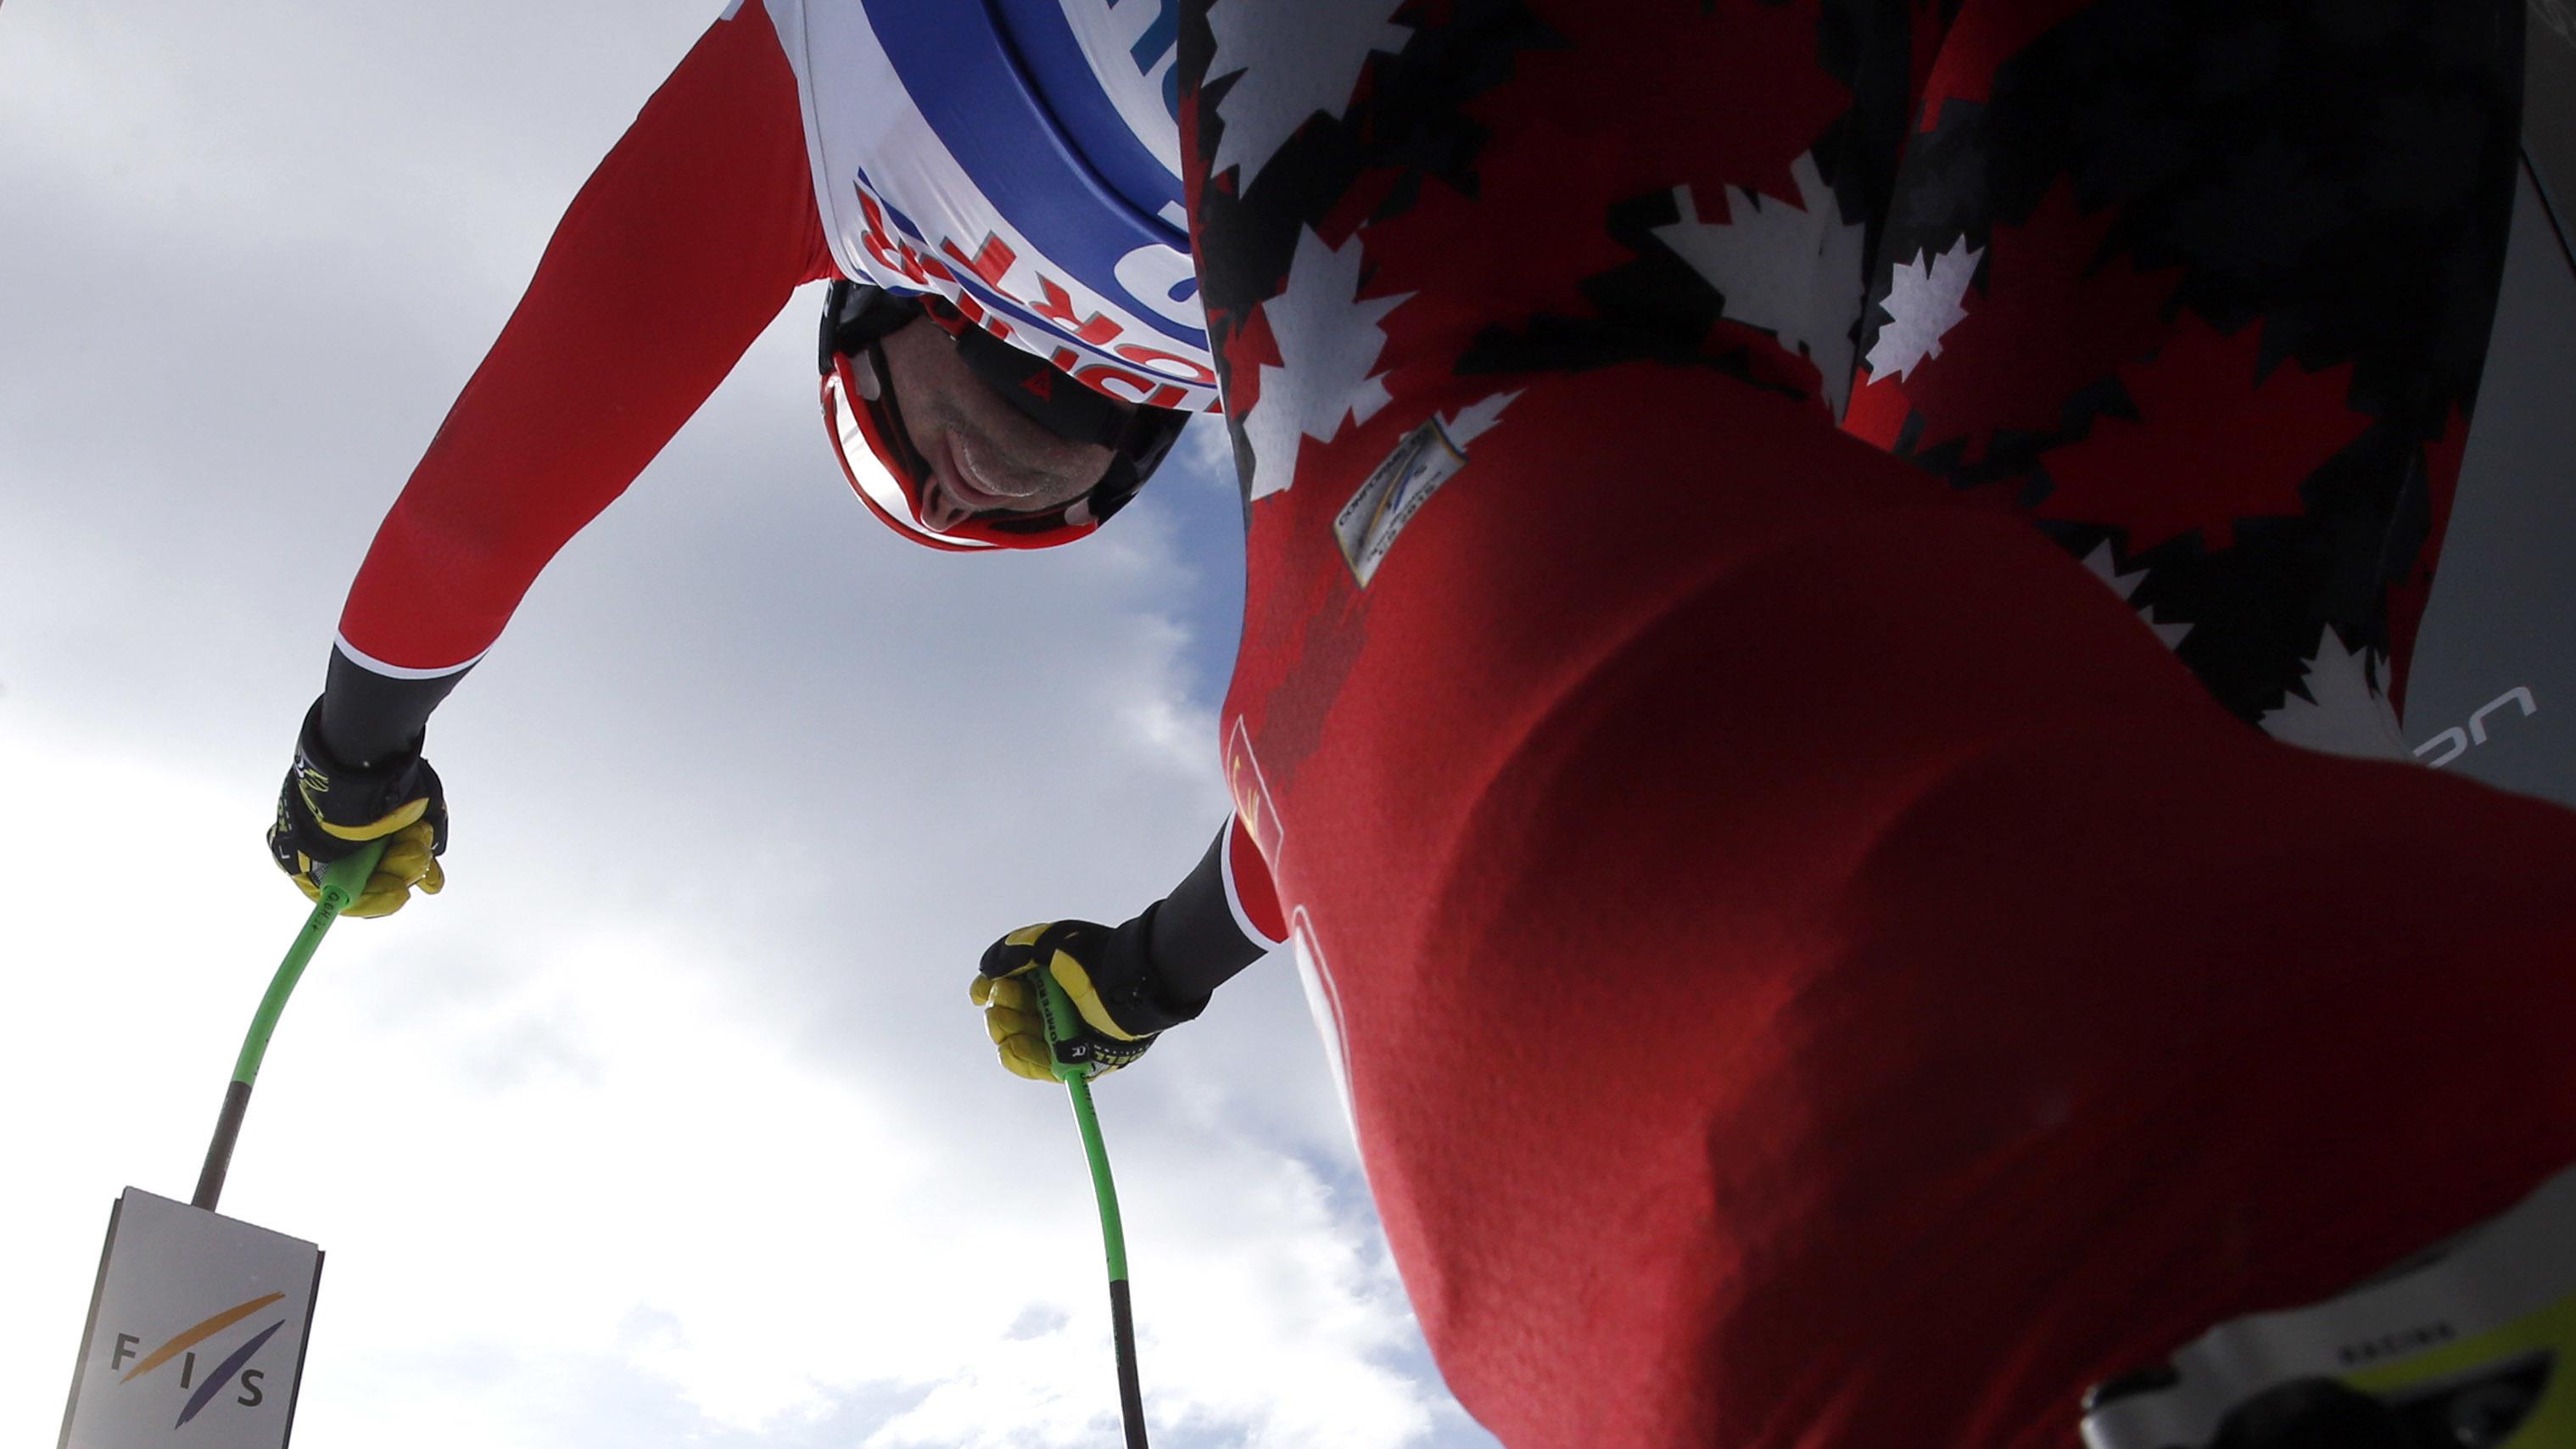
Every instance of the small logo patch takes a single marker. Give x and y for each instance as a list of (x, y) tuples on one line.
[(1251, 793), (1368, 524)]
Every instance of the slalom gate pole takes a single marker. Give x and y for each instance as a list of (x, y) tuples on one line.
[(342, 880), (1062, 1024)]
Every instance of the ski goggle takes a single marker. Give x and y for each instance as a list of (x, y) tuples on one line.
[(866, 423)]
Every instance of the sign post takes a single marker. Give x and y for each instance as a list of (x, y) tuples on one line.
[(196, 1332), (198, 1325)]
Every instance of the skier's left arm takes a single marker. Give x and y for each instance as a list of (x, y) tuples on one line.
[(1134, 981)]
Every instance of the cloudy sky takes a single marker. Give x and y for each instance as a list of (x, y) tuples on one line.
[(670, 1122)]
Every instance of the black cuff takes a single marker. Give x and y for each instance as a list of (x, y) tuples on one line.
[(353, 795), (368, 718), (1195, 944), (1143, 1001)]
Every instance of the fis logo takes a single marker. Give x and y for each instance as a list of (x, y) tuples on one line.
[(233, 1370)]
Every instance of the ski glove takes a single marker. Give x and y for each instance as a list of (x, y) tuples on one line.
[(1110, 978), (329, 809)]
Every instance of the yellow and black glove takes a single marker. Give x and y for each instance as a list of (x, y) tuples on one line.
[(1109, 976), (329, 809)]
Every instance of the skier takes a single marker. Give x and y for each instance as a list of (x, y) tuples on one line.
[(1592, 657), (1011, 347), (1812, 965)]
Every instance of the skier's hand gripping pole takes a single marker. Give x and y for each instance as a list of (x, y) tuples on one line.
[(343, 881), (328, 809), (1102, 972), (1064, 1027)]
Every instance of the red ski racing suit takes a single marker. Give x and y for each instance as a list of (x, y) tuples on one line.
[(1814, 967)]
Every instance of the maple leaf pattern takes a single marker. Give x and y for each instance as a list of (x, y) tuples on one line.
[(2212, 444), (2342, 713), (2048, 322), (1793, 271), (1280, 84), (2126, 585), (1328, 340), (1923, 302), (1465, 424)]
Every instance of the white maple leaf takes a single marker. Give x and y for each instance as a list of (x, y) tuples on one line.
[(2126, 585), (1922, 306), (1793, 271), (1294, 61), (2344, 714), (1463, 425), (1328, 343)]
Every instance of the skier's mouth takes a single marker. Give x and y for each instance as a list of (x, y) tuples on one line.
[(968, 484)]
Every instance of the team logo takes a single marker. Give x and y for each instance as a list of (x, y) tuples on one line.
[(1252, 802), (1367, 525)]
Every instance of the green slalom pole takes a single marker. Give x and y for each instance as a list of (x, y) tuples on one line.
[(342, 880), (1062, 1025)]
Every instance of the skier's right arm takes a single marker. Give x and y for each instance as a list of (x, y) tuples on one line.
[(1132, 982), (682, 246)]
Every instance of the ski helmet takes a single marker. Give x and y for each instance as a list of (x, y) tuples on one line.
[(860, 410)]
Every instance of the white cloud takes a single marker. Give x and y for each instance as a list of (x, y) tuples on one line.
[(547, 1145)]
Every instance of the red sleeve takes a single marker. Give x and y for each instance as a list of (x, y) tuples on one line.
[(682, 246), (1249, 889)]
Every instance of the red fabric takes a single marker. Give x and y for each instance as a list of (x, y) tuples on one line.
[(2055, 317), (2217, 440), (1253, 890), (684, 244), (1815, 972)]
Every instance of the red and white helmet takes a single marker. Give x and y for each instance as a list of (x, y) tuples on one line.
[(866, 423)]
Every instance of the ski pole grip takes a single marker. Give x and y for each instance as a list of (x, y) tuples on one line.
[(343, 880), (1063, 1024)]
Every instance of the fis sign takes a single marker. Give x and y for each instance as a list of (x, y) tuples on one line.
[(196, 1332)]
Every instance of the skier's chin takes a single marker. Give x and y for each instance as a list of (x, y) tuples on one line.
[(958, 490)]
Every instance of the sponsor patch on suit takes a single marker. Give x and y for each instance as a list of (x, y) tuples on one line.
[(1367, 525)]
